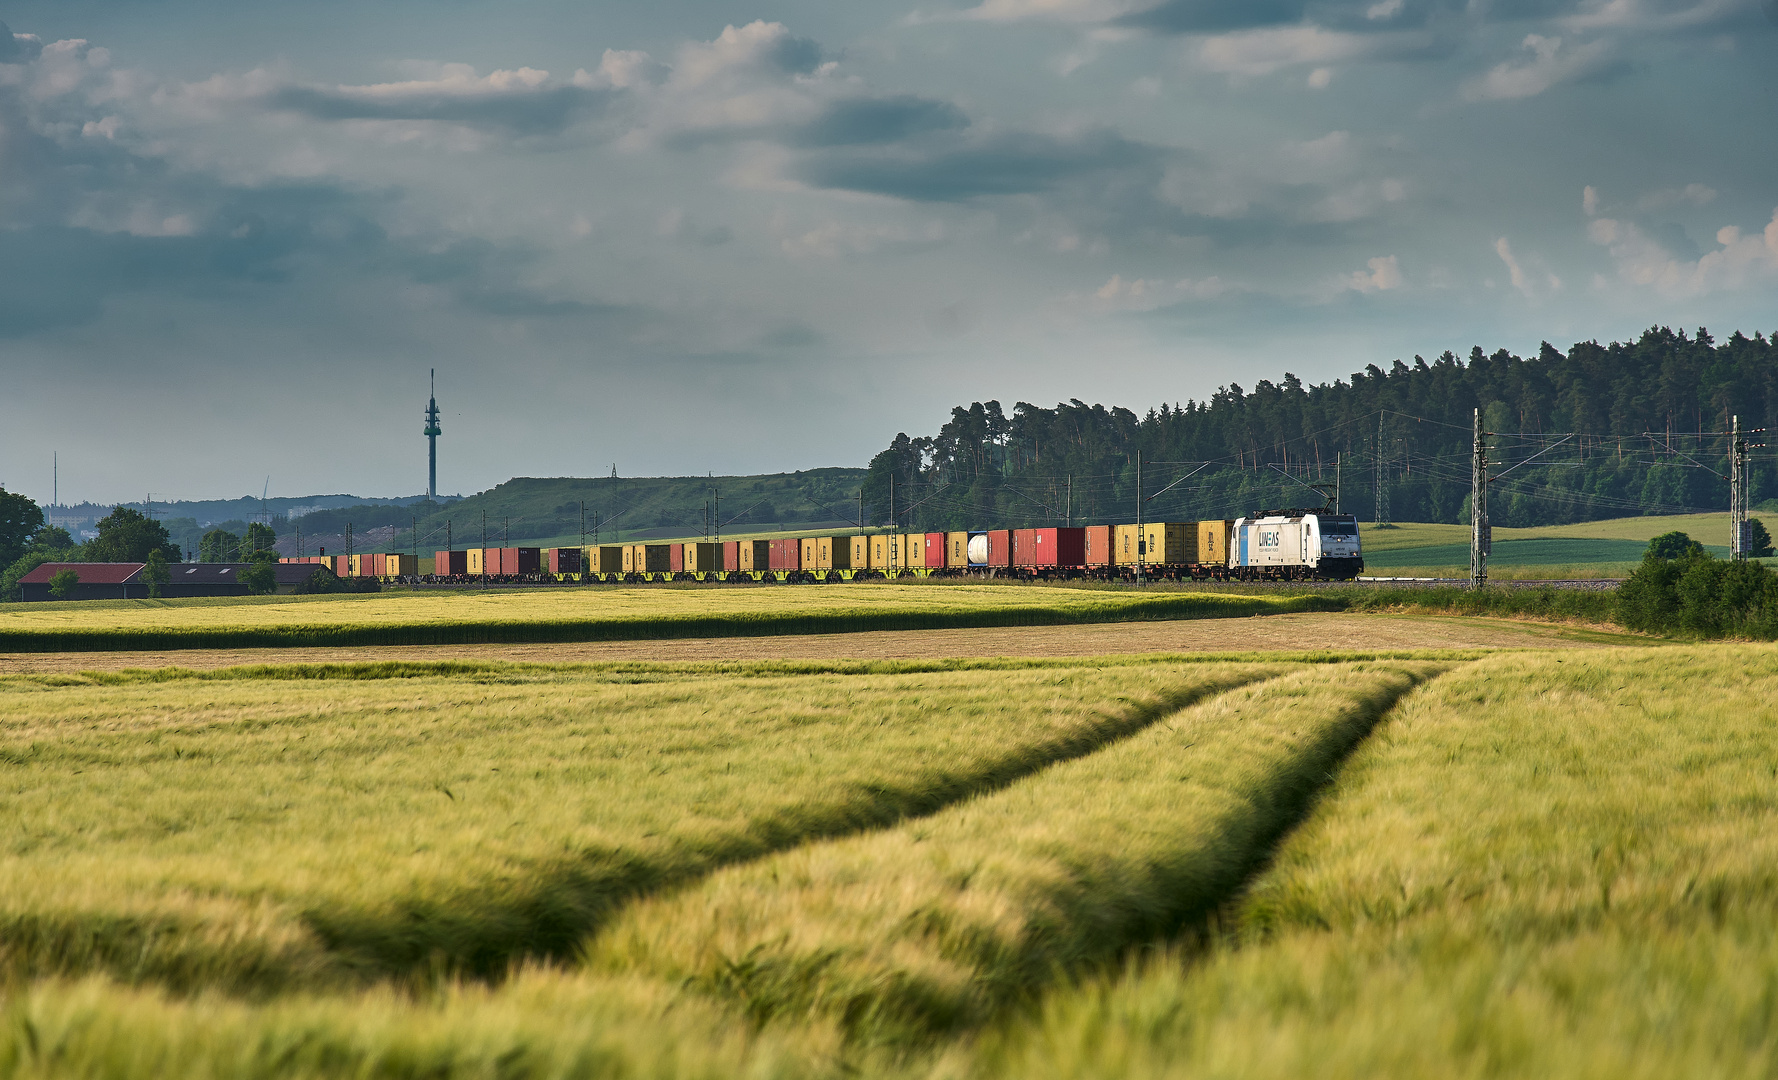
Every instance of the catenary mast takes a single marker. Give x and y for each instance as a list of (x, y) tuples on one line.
[(432, 433)]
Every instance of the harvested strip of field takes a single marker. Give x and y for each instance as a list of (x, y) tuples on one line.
[(608, 613), (1318, 630), (279, 828), (1543, 866), (937, 925)]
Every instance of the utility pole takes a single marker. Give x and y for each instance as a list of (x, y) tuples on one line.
[(484, 548), (1068, 507), (1337, 458), (1141, 536), (55, 483), (1481, 534), (894, 540), (414, 532), (1382, 516), (1738, 532)]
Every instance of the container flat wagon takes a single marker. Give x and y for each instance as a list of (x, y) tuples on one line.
[(1283, 545)]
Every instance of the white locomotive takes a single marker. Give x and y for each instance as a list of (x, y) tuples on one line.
[(1290, 545)]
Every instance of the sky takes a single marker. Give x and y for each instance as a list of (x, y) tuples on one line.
[(689, 236)]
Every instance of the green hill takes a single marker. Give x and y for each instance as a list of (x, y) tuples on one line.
[(544, 512)]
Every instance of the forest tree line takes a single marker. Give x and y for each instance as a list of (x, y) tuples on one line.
[(1600, 431)]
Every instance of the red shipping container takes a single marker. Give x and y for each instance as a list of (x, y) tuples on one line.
[(999, 547), (935, 551), (1096, 545), (1061, 547), (1024, 548), (676, 558), (731, 554), (787, 554), (564, 560), (447, 563)]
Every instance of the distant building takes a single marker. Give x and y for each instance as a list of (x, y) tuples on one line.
[(124, 581)]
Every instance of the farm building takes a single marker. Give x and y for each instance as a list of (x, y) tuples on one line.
[(124, 581)]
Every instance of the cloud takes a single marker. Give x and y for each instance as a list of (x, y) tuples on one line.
[(835, 239), (1066, 11), (859, 121), (1738, 261), (1659, 16), (1550, 65), (1213, 16), (1261, 52), (1383, 275), (1527, 282), (523, 101), (757, 80), (968, 167), (18, 48), (1147, 294)]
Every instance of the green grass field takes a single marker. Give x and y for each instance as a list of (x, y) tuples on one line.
[(1503, 864), (1593, 549)]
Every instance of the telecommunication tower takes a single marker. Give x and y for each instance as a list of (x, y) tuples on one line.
[(432, 433)]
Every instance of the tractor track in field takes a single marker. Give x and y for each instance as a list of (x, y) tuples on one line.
[(481, 933)]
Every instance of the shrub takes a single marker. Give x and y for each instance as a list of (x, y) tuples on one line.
[(1673, 545), (1700, 596), (321, 581)]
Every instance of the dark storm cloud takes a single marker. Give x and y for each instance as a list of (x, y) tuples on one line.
[(525, 112), (1214, 16), (255, 245), (16, 49), (957, 170), (1360, 16), (861, 121)]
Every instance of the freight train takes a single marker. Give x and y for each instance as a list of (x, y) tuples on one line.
[(1286, 545)]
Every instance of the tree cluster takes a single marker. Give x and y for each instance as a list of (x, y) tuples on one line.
[(1622, 429), (125, 535), (1682, 589)]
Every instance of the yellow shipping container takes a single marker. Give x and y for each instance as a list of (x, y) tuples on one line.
[(606, 560), (957, 549), (833, 552), (477, 563), (859, 552), (703, 558), (656, 559), (754, 555), (1124, 546), (910, 551), (1171, 542), (810, 550), (1213, 542), (400, 565)]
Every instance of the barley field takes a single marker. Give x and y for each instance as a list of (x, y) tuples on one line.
[(1549, 866), (1521, 862), (443, 617)]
